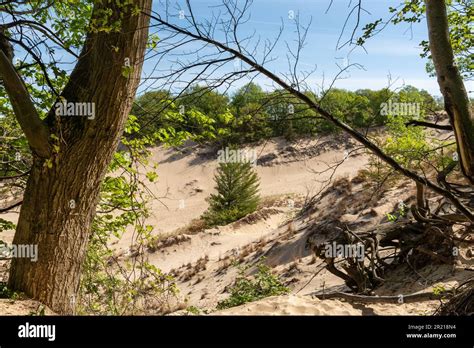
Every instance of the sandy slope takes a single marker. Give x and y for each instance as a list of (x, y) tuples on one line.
[(186, 180), (23, 307), (289, 170), (305, 305), (206, 264), (292, 305)]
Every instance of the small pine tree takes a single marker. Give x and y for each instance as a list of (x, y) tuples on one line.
[(237, 193)]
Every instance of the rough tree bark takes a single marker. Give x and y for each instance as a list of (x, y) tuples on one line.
[(451, 84), (59, 202)]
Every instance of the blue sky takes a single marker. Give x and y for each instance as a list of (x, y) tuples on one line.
[(395, 52)]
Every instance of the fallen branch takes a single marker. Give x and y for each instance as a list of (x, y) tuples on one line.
[(423, 296)]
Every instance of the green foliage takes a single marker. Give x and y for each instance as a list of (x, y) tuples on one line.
[(107, 285), (410, 146), (401, 212), (439, 290), (410, 94), (375, 102), (251, 93), (406, 144), (289, 117), (248, 289), (252, 114), (251, 125), (193, 310), (6, 225), (350, 107), (6, 292), (14, 150), (460, 14), (168, 122), (68, 20), (237, 193), (208, 102)]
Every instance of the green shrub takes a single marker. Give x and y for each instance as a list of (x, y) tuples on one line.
[(6, 292), (248, 289)]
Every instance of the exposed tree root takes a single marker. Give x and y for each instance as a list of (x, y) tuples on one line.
[(409, 298), (361, 258), (462, 303)]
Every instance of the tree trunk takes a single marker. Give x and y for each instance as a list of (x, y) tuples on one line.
[(59, 202), (451, 84)]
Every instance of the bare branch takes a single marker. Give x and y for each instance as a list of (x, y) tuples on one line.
[(429, 125), (328, 116)]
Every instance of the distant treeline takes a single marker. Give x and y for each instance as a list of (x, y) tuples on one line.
[(251, 114)]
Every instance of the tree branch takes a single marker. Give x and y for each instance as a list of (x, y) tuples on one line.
[(328, 116), (429, 125), (35, 130)]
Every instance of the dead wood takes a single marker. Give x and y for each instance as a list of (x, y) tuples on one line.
[(409, 298)]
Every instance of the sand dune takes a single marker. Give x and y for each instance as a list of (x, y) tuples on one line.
[(292, 305), (204, 264)]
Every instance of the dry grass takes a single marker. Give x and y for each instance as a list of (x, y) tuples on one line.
[(158, 243), (192, 270), (194, 227), (226, 262), (340, 187), (279, 201)]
